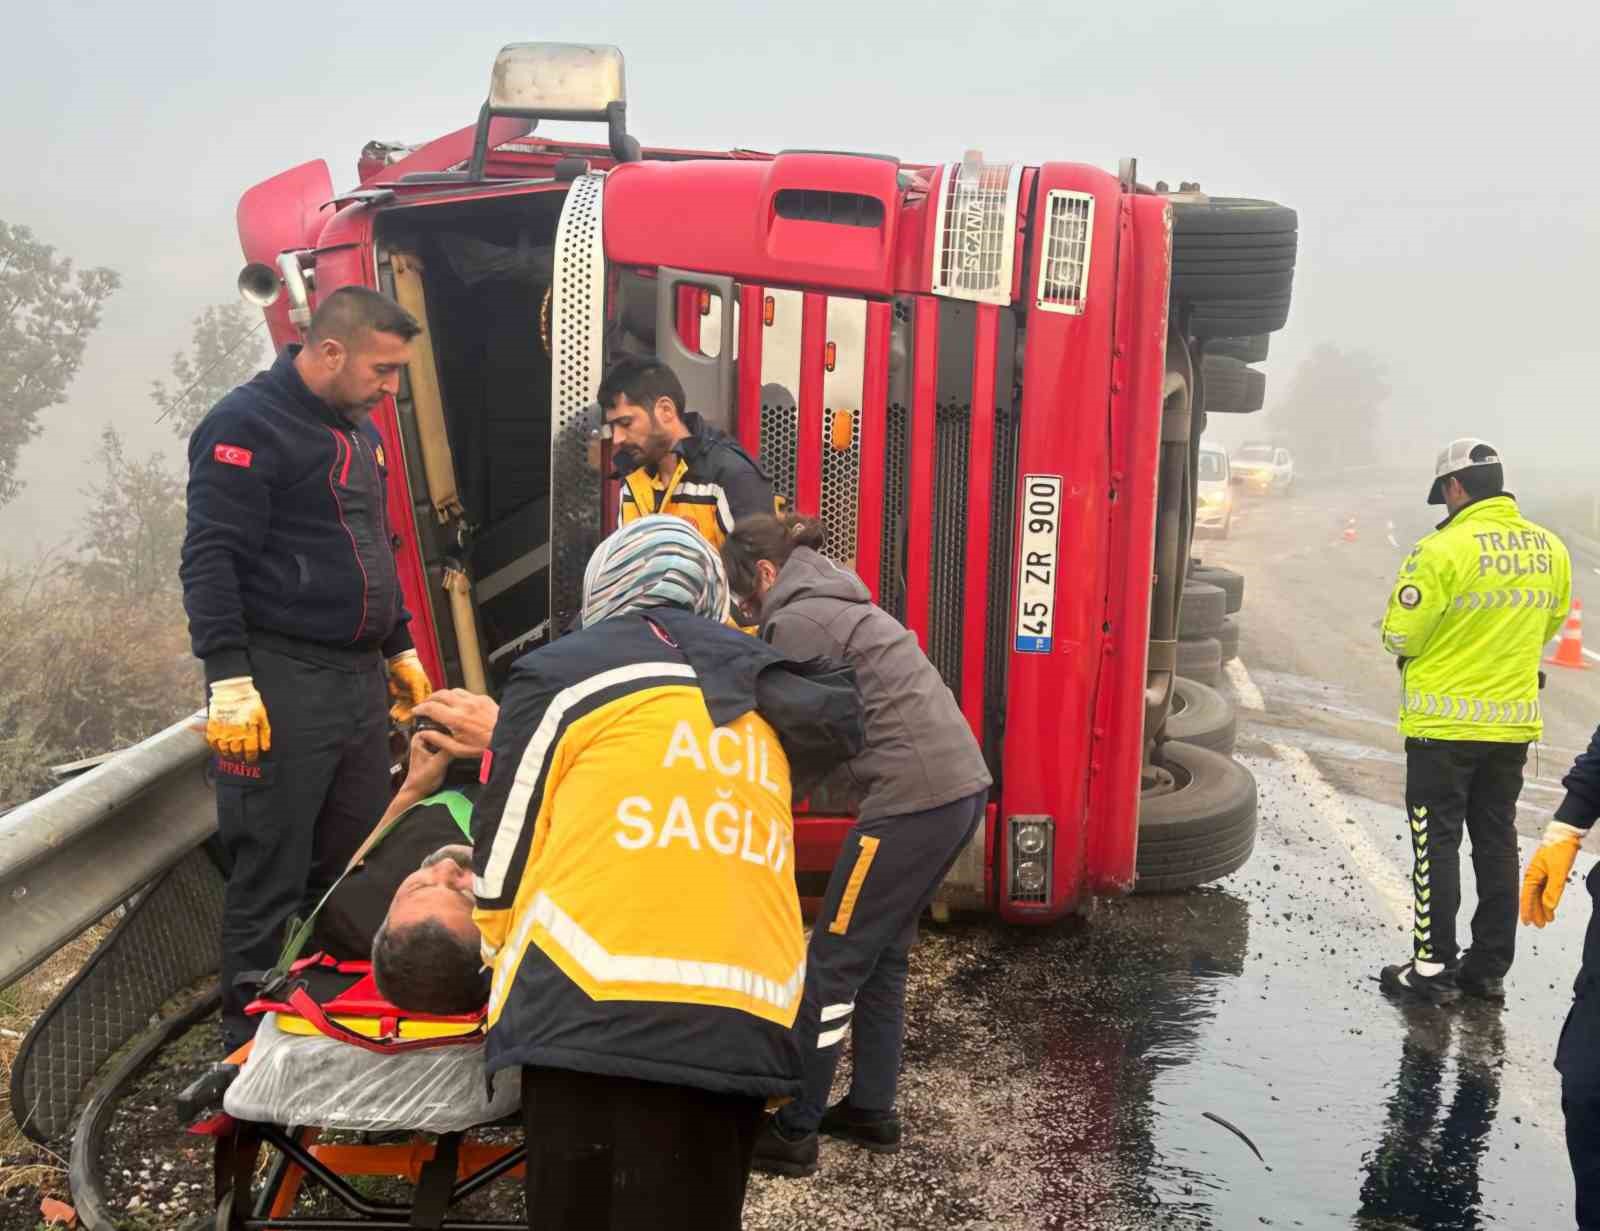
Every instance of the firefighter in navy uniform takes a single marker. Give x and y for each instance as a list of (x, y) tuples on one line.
[(295, 608), (670, 461), (1578, 1052), (1468, 618)]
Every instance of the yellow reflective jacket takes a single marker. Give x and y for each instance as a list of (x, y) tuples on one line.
[(713, 484), (634, 860), (1474, 605)]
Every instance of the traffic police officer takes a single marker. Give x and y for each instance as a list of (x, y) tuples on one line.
[(1469, 616), (670, 460), (295, 608), (1578, 1052)]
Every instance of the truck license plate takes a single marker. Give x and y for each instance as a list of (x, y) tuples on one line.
[(1036, 563)]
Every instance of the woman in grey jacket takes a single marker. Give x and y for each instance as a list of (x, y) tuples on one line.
[(923, 787)]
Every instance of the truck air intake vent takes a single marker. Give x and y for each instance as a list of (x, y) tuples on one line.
[(976, 231), (850, 209), (1064, 267)]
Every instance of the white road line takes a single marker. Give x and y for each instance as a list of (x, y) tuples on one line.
[(1379, 870), (1243, 686), (1592, 655)]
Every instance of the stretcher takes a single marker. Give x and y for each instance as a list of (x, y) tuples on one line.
[(332, 1056)]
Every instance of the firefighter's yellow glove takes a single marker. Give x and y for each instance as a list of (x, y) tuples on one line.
[(1546, 878), (408, 684), (236, 722)]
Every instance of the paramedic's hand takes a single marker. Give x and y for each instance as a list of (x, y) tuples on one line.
[(469, 717), (429, 761), (1546, 877), (236, 721), (408, 684)]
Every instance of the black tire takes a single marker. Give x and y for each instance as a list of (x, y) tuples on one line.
[(1202, 716), (1255, 391), (1225, 579), (1204, 608), (1222, 383), (1246, 350), (1201, 831), (1226, 318), (1228, 639), (1200, 658), (1231, 248)]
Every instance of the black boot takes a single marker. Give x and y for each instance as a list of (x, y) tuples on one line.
[(1405, 981), (777, 1154), (878, 1131)]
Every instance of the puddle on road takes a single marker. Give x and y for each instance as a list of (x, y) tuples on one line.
[(1257, 1002)]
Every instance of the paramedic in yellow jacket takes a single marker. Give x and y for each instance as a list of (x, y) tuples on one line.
[(669, 460), (1468, 619), (635, 887)]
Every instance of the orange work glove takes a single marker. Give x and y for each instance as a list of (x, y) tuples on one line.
[(408, 684), (236, 720), (1546, 878)]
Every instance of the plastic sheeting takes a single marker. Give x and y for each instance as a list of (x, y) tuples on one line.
[(320, 1082)]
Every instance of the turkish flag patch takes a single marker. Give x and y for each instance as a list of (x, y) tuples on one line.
[(485, 765), (232, 455)]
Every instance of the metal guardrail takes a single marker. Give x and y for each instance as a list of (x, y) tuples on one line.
[(72, 855)]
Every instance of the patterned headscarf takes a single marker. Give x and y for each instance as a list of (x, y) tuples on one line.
[(656, 561)]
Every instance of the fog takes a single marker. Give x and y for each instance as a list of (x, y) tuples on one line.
[(1439, 154)]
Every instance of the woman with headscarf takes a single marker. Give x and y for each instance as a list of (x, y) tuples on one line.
[(634, 885), (923, 787)]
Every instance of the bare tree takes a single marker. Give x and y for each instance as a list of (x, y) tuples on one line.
[(1330, 412), (133, 529), (226, 351), (46, 316)]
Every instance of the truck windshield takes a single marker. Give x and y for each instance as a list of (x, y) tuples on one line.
[(1255, 453)]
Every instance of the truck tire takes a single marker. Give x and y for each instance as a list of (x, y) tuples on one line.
[(1255, 392), (1204, 608), (1225, 318), (1232, 248), (1202, 716), (1201, 831), (1225, 579), (1252, 349), (1228, 639), (1200, 658), (1223, 384)]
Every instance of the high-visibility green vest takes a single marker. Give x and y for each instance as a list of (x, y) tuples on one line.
[(1474, 605)]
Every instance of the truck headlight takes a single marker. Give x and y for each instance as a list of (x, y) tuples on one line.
[(1032, 845)]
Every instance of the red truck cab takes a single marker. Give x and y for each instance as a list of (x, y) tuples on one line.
[(967, 369)]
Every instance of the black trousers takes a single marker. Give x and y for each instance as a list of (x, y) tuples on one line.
[(1471, 785), (618, 1154), (289, 823), (887, 872)]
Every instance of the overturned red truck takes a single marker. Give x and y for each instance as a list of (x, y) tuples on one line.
[(987, 378)]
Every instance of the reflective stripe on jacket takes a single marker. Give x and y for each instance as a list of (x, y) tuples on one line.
[(714, 484), (1470, 613), (634, 859)]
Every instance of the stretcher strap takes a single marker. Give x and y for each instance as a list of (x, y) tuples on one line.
[(301, 1002)]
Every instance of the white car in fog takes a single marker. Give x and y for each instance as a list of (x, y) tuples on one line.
[(1214, 514), (1264, 468)]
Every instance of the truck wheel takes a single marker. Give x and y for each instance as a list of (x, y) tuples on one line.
[(1202, 716), (1255, 392), (1231, 249), (1204, 608), (1228, 639), (1252, 349), (1223, 318), (1200, 658), (1222, 384), (1202, 828), (1225, 579)]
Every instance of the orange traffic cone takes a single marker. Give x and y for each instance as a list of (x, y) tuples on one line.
[(1569, 653)]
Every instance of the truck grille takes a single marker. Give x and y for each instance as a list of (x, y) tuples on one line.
[(891, 568), (952, 436), (1002, 525), (840, 471), (976, 225), (1064, 271)]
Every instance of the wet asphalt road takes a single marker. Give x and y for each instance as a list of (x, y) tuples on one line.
[(1062, 1078)]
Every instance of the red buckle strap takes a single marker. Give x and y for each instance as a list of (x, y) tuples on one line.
[(300, 1001)]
